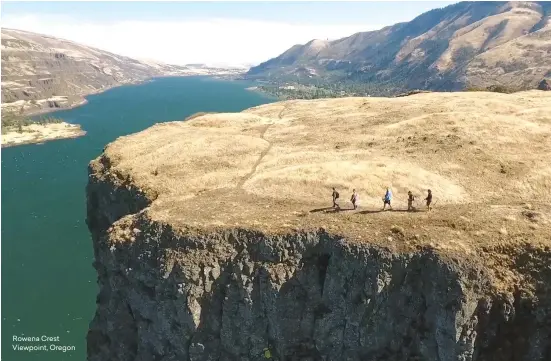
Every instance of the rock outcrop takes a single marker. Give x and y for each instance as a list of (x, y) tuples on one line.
[(213, 239)]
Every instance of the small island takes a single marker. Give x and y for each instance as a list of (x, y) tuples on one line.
[(18, 130)]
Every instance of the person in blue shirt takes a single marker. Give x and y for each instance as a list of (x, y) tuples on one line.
[(387, 199)]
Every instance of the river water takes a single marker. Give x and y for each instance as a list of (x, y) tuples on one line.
[(48, 282)]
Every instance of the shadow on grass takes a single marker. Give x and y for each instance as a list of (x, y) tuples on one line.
[(331, 210), (320, 209), (390, 210), (337, 210), (367, 211)]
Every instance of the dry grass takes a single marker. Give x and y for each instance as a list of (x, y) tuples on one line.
[(516, 22), (484, 155), (521, 62)]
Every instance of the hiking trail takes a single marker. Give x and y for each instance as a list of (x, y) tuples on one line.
[(262, 155)]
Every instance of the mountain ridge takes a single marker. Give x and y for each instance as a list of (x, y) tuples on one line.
[(42, 72), (449, 48)]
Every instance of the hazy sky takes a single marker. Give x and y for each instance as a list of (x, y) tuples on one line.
[(205, 32)]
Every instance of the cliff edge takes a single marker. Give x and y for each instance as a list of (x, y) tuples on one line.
[(214, 237)]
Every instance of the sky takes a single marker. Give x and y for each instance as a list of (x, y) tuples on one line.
[(215, 33)]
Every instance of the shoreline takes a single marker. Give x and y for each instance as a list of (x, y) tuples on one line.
[(39, 137), (257, 89), (36, 131), (43, 111), (41, 133), (79, 100)]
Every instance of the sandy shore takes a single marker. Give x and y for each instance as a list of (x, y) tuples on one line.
[(36, 133)]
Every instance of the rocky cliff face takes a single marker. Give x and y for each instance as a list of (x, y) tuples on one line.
[(183, 277), (306, 296)]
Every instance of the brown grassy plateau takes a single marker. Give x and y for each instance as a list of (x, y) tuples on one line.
[(486, 157)]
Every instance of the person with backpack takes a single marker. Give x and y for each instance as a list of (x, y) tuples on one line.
[(429, 199), (411, 198), (335, 197), (387, 199), (267, 354), (354, 199)]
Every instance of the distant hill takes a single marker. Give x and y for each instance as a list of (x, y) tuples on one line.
[(42, 72), (469, 44)]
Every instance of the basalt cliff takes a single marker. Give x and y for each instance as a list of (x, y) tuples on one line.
[(214, 238)]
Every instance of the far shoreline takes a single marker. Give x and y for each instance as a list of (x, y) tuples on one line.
[(81, 99), (258, 90)]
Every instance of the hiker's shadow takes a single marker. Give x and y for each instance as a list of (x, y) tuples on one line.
[(321, 209), (390, 210), (337, 210), (331, 210), (372, 211), (367, 211)]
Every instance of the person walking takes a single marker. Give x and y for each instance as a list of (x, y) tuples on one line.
[(354, 199), (267, 354), (387, 199), (411, 198), (335, 196), (429, 199)]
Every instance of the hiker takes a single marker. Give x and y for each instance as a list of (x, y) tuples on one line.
[(429, 199), (411, 198), (335, 197), (354, 199), (267, 354), (387, 199)]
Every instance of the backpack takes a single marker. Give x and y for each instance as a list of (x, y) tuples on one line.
[(336, 195)]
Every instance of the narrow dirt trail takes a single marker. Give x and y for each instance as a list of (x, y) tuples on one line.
[(262, 155)]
